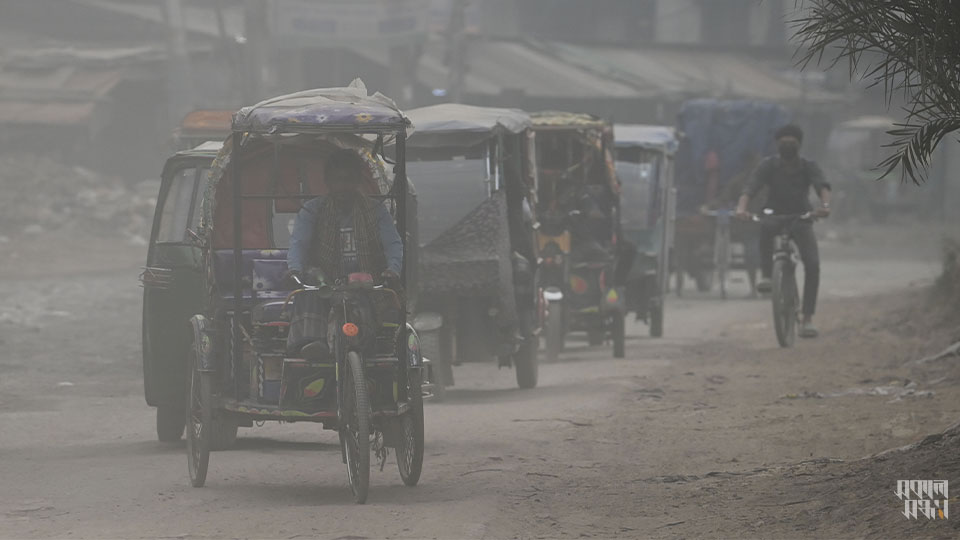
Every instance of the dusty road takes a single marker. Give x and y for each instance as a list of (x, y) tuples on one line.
[(647, 446)]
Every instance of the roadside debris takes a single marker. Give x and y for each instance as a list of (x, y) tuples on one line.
[(42, 194), (908, 389), (952, 350)]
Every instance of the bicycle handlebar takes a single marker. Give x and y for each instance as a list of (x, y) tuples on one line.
[(783, 217), (718, 213)]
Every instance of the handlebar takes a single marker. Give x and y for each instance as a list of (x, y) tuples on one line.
[(338, 286), (783, 217)]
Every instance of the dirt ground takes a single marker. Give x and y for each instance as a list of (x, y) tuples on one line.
[(712, 431)]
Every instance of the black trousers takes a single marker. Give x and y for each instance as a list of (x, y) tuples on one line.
[(802, 234)]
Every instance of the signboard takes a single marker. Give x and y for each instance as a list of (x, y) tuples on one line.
[(326, 23)]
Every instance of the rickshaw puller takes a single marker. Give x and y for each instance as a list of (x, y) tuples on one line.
[(333, 236)]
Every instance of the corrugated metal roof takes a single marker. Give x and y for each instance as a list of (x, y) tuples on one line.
[(59, 96), (687, 73), (498, 66)]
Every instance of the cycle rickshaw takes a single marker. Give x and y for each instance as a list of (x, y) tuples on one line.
[(584, 267), (477, 298), (647, 204), (370, 384)]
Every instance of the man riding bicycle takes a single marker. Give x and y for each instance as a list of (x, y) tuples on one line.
[(335, 235), (788, 178)]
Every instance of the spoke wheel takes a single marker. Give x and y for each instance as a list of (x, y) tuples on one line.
[(554, 332), (656, 319), (723, 259), (356, 429), (619, 335), (199, 419), (410, 450), (784, 303)]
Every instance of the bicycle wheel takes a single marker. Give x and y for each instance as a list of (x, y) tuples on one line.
[(784, 302), (356, 430), (410, 450), (199, 419), (723, 259)]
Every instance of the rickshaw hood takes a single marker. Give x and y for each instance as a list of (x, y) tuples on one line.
[(310, 110)]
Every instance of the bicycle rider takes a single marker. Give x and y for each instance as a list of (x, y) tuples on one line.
[(789, 177)]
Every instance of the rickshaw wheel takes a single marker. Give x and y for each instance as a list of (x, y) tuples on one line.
[(170, 423), (656, 319), (525, 363), (619, 332), (554, 332), (356, 404), (410, 450), (199, 418)]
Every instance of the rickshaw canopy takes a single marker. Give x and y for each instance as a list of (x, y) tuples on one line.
[(661, 139), (284, 143), (451, 124), (321, 109), (566, 120)]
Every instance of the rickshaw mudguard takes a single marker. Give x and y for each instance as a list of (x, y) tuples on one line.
[(203, 343)]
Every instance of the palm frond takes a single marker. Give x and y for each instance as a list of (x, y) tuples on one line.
[(908, 47)]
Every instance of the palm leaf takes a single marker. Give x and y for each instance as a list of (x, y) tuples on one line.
[(908, 47)]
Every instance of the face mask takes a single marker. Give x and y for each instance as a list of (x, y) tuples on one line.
[(788, 149)]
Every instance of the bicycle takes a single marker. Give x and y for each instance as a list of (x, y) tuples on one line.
[(785, 294)]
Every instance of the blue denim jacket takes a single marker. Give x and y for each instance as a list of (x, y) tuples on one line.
[(306, 223)]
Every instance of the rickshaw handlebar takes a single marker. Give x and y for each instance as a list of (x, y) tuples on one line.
[(784, 217)]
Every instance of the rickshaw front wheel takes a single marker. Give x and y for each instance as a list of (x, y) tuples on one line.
[(619, 332), (656, 319), (410, 450), (356, 431), (199, 419)]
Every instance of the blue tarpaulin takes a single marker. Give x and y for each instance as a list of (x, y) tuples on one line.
[(736, 130)]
